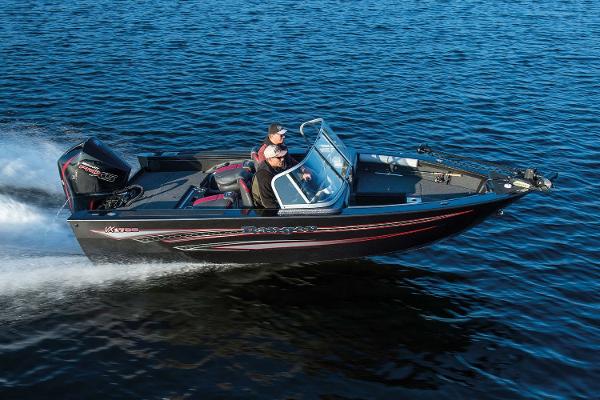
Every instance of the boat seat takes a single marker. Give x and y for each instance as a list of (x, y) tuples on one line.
[(223, 200), (246, 194), (229, 178), (225, 166), (225, 177)]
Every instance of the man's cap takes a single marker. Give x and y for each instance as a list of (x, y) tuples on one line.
[(274, 150), (277, 129)]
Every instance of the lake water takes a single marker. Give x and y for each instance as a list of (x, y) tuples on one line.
[(508, 310)]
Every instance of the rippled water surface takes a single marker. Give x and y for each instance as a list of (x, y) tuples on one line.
[(509, 309)]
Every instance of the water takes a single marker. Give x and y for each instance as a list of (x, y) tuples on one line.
[(509, 309)]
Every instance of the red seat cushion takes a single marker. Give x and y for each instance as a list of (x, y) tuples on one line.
[(217, 200)]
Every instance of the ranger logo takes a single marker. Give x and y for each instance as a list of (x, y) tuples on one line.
[(285, 230)]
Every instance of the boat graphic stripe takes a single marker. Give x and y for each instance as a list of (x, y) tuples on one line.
[(188, 235), (288, 244), (395, 223), (158, 233), (383, 225)]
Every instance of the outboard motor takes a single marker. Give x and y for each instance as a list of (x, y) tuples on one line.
[(90, 172)]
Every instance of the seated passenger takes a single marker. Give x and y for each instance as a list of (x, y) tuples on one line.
[(262, 191), (276, 136)]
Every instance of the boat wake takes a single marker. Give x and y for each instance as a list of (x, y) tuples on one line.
[(32, 287), (30, 197), (39, 255), (54, 276), (28, 161)]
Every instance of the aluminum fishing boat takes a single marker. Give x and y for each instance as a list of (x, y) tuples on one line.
[(182, 206)]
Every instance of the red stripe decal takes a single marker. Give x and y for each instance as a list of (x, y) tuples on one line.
[(64, 179), (191, 234), (312, 243), (384, 225)]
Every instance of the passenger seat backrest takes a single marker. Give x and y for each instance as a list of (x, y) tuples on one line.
[(226, 177), (245, 194)]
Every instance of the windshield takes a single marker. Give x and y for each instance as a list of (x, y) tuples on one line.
[(318, 180), (337, 142), (333, 157)]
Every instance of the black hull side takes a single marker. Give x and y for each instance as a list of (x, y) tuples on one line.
[(280, 239)]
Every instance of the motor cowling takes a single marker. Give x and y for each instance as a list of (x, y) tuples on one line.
[(90, 172)]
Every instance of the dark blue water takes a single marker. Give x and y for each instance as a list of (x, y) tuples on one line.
[(509, 309)]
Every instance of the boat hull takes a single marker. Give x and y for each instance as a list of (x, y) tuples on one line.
[(250, 237)]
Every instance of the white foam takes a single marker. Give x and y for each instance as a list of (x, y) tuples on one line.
[(56, 275), (14, 214), (37, 285), (25, 226), (41, 261), (28, 162)]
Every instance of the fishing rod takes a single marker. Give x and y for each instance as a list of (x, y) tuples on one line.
[(531, 179), (425, 149)]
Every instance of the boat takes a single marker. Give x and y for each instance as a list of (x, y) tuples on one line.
[(196, 206)]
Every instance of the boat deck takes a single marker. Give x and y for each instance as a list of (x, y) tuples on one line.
[(374, 183), (377, 181), (163, 190), (410, 185)]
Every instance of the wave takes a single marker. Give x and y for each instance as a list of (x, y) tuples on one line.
[(28, 227), (31, 221), (42, 285), (56, 275), (28, 162), (40, 260)]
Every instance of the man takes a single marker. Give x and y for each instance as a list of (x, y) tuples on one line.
[(262, 191), (275, 135)]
